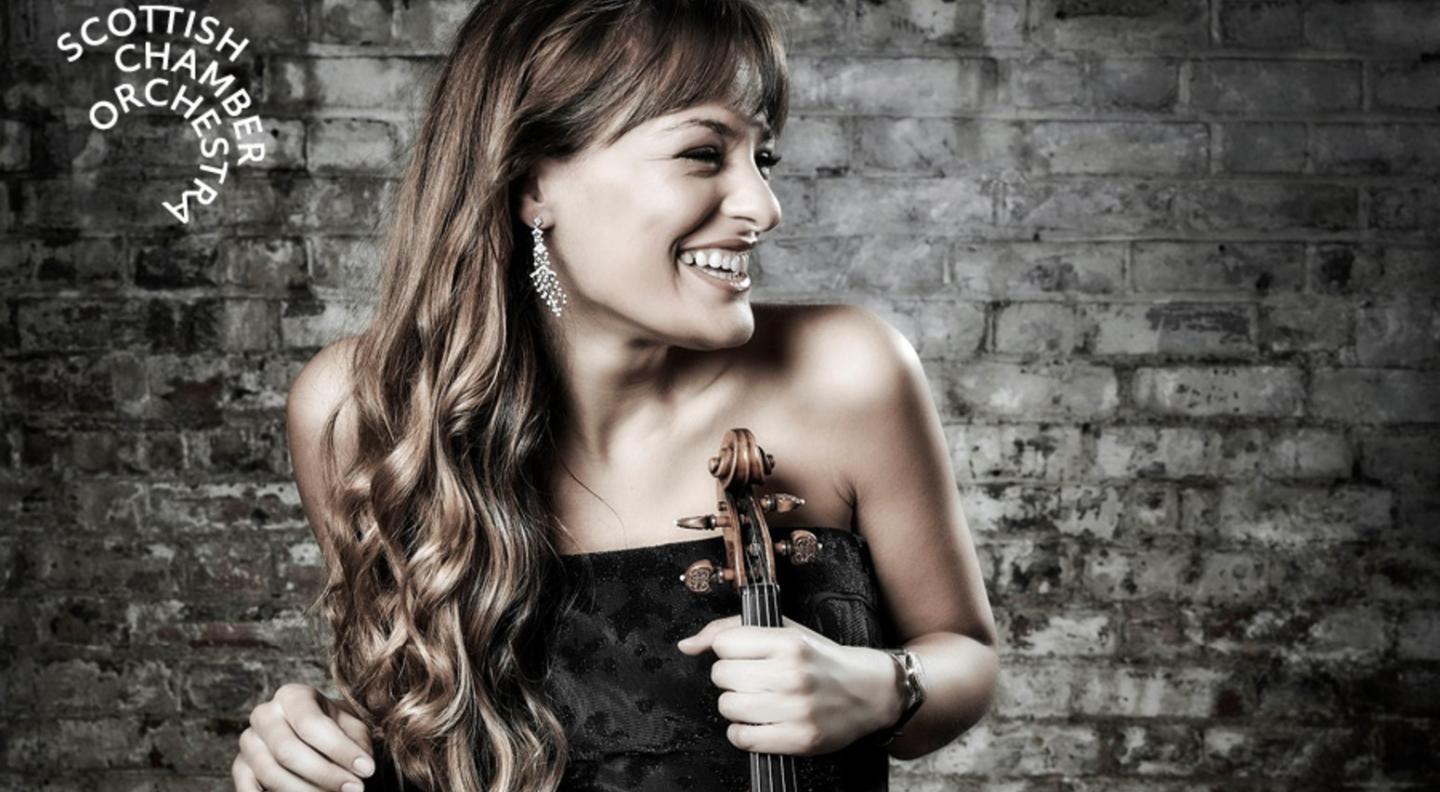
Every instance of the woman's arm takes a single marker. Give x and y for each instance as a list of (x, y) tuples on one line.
[(892, 457)]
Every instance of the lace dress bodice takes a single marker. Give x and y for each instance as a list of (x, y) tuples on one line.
[(642, 715)]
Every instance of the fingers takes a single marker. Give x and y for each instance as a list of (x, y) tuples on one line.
[(293, 741), (754, 642), (739, 707), (775, 738), (335, 732), (243, 777), (700, 640), (268, 772), (353, 727), (758, 676)]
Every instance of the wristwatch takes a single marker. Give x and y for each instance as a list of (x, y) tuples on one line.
[(911, 677)]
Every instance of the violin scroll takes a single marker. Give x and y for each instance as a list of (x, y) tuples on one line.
[(740, 467)]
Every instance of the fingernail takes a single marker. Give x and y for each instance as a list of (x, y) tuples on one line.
[(364, 766), (351, 786)]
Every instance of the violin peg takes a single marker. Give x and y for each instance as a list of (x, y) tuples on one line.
[(701, 576), (702, 522), (801, 548), (781, 502)]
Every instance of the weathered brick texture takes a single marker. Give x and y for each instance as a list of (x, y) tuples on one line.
[(1173, 267)]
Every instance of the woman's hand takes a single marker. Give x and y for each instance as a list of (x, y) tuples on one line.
[(302, 741), (791, 690)]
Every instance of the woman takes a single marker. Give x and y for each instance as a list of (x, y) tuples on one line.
[(554, 357)]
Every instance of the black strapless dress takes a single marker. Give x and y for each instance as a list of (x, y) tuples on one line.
[(642, 716)]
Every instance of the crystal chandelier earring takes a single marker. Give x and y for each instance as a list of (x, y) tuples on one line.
[(544, 278)]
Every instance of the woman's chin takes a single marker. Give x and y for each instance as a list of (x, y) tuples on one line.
[(729, 327)]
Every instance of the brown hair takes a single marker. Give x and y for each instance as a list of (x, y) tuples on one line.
[(439, 546)]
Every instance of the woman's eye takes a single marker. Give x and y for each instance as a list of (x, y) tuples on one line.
[(706, 155), (765, 159)]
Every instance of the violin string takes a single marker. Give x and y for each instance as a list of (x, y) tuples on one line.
[(787, 762), (769, 620), (769, 605), (769, 758), (749, 605)]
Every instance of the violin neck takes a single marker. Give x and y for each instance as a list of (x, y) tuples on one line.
[(760, 605)]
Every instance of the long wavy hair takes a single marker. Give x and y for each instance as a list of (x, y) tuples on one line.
[(438, 540)]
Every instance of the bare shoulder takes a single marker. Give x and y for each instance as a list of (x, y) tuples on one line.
[(850, 385), (321, 389), (322, 385), (841, 358)]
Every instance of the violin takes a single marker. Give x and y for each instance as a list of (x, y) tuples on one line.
[(749, 566)]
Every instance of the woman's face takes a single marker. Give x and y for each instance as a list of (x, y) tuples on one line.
[(618, 219)]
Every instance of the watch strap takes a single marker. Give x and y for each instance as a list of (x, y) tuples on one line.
[(913, 691)]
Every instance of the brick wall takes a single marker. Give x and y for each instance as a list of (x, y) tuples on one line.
[(1172, 266)]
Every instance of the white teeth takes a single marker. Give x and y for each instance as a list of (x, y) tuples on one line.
[(716, 259)]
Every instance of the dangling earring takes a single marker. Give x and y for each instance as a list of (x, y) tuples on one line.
[(544, 278)]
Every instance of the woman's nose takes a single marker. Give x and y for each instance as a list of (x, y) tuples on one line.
[(751, 199)]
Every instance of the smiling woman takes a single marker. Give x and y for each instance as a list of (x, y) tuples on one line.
[(494, 476)]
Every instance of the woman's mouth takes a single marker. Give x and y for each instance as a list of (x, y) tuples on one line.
[(727, 268)]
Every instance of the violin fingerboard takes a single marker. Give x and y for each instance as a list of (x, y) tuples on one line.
[(760, 605)]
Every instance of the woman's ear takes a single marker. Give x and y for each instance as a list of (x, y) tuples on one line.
[(532, 201), (529, 206)]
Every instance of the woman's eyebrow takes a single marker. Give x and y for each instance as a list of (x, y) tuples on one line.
[(724, 130)]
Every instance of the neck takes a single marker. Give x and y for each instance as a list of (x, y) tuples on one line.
[(626, 393)]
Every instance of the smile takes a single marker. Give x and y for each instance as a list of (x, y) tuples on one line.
[(724, 268)]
